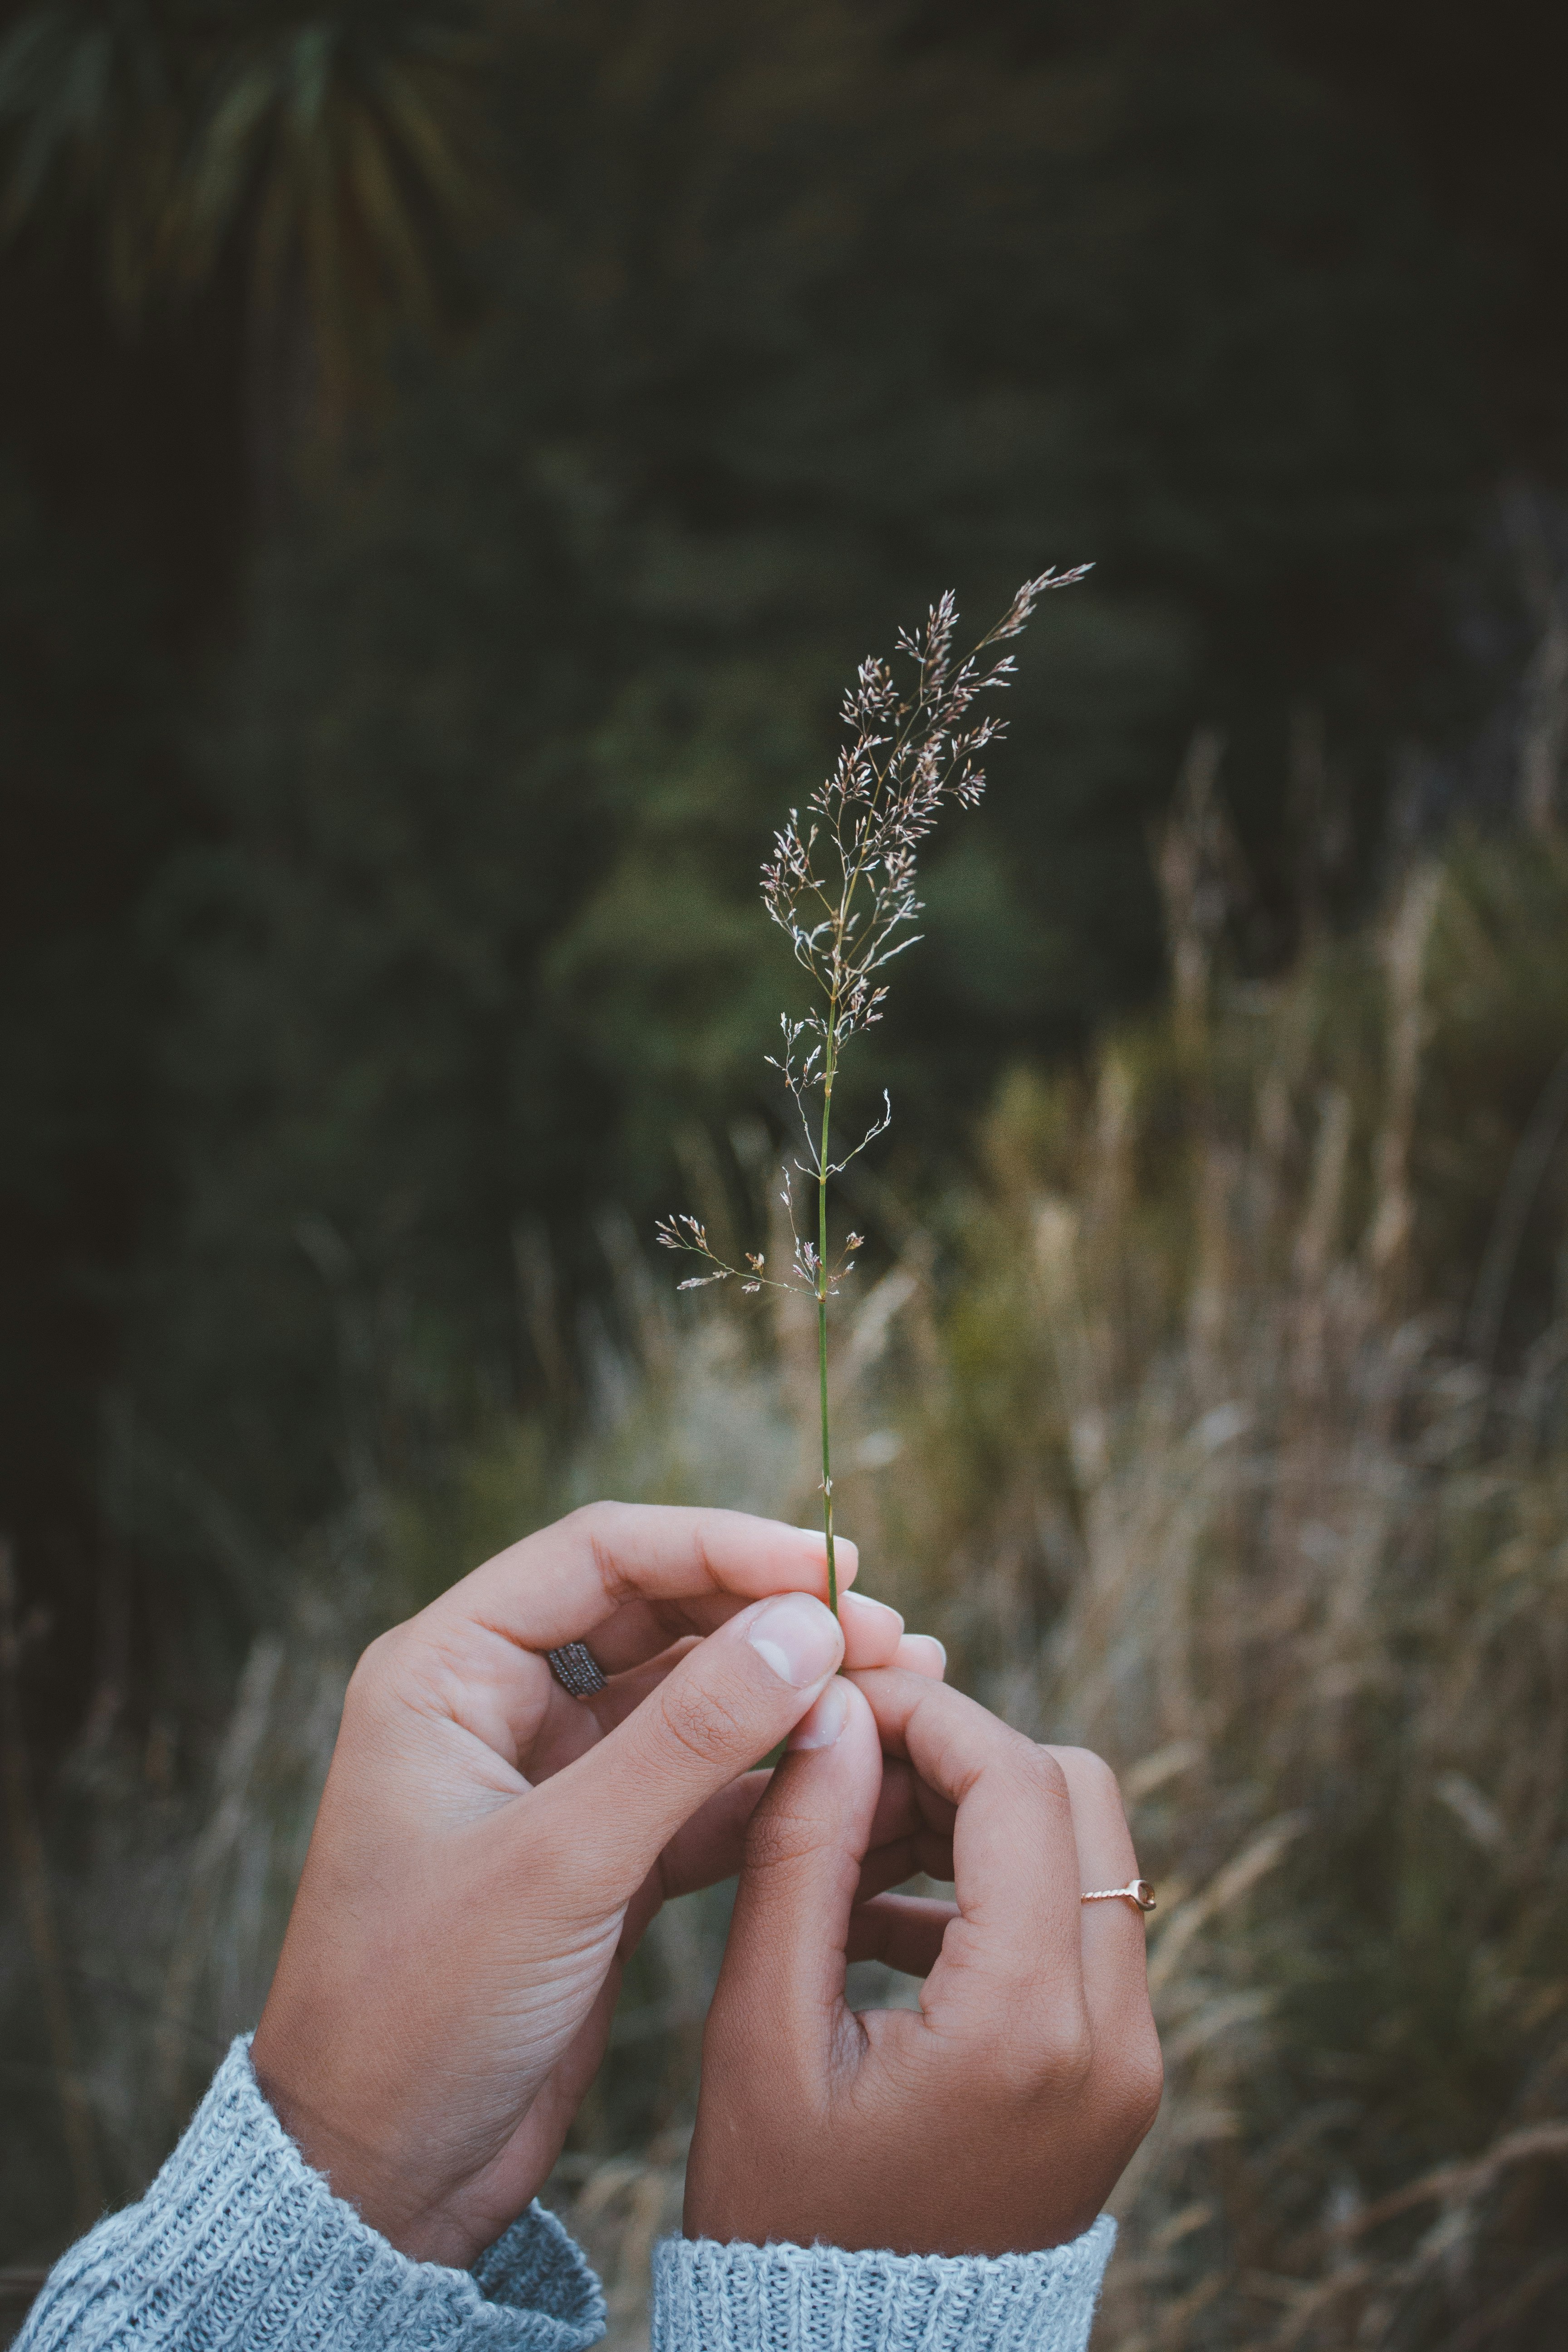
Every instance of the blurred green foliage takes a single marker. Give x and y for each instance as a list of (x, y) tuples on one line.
[(470, 723), (323, 153), (385, 792), (802, 320)]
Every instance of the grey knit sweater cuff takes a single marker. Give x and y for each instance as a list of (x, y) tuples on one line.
[(816, 2299), (239, 2243)]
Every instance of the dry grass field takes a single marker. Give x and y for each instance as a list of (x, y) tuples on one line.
[(1221, 1423)]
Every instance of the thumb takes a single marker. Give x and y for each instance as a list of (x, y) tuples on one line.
[(784, 1964), (729, 1701)]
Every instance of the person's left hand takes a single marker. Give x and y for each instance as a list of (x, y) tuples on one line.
[(489, 1850), (997, 2116)]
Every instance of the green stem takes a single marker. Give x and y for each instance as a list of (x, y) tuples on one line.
[(822, 1315)]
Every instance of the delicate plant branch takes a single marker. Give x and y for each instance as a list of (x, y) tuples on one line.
[(840, 885)]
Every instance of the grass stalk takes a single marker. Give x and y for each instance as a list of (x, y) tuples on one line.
[(841, 886)]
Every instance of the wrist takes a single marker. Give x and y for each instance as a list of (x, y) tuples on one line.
[(347, 2155), (240, 2241)]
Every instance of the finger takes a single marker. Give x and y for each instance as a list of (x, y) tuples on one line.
[(902, 1931), (568, 1727), (466, 1657), (732, 1698), (901, 1841), (1111, 1932), (1015, 1857), (637, 1647), (911, 1857), (1100, 1822), (873, 1633), (898, 1812), (645, 1630), (709, 1848), (642, 1631), (907, 1804), (646, 1635), (917, 1654), (558, 1585), (1115, 1969), (782, 1983), (900, 1803)]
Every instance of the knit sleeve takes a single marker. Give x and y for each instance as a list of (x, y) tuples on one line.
[(239, 2243), (778, 2298)]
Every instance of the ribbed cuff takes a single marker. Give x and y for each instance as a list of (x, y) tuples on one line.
[(239, 2243), (818, 2299)]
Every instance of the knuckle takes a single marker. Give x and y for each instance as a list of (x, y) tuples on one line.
[(598, 1527), (1093, 1771), (1040, 2050), (587, 1517), (778, 1836), (1141, 2078), (702, 1552), (1042, 1776), (699, 1719), (377, 1666), (1065, 2055)]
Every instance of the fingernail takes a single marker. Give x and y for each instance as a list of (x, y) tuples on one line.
[(869, 1613), (821, 1724), (799, 1638)]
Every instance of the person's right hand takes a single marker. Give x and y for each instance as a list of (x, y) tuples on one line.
[(489, 1850), (995, 2118)]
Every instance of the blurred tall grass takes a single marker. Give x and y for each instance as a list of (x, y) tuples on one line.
[(1221, 1424)]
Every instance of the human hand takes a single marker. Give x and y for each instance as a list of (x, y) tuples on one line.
[(995, 2118), (487, 1849)]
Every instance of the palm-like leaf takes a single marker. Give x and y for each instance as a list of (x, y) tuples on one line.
[(324, 150), (90, 113), (341, 141)]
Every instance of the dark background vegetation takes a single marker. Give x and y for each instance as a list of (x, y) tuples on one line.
[(450, 461)]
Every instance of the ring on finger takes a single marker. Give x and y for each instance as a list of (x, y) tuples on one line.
[(576, 1669), (1137, 1890)]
